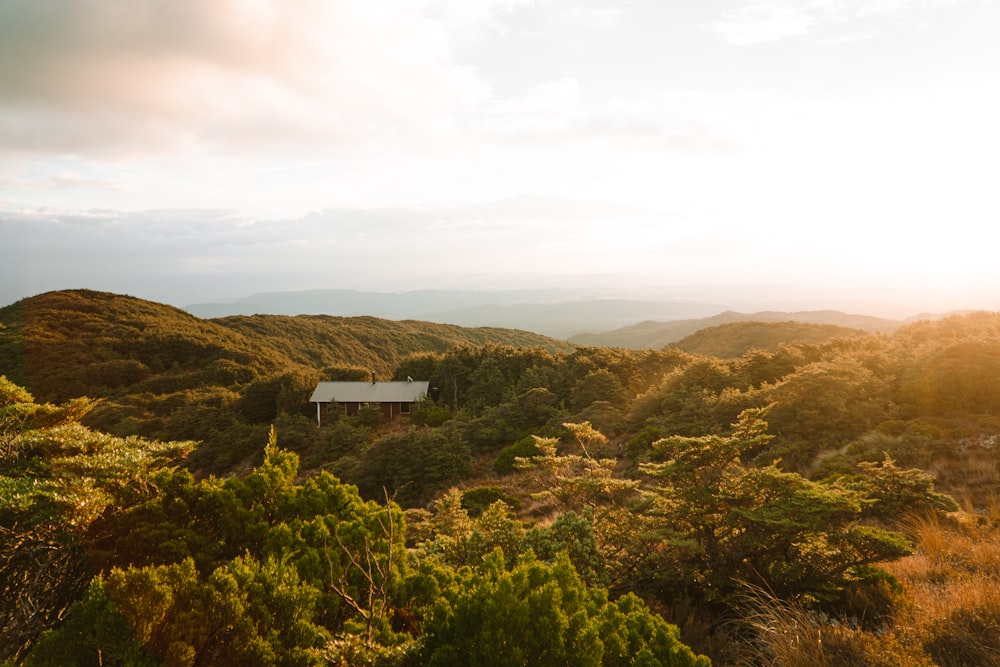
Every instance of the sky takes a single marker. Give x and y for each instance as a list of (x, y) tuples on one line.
[(832, 153)]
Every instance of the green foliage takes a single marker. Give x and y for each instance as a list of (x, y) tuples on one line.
[(773, 529), (575, 481), (262, 610), (256, 569), (605, 417), (735, 339), (475, 501), (506, 462), (825, 405), (597, 385), (263, 400), (538, 614), (413, 465), (703, 396), (456, 539), (429, 414), (369, 416), (534, 410), (244, 613), (94, 634), (623, 529), (572, 534), (56, 479), (893, 493), (709, 508)]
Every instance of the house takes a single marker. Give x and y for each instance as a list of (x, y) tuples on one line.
[(394, 398)]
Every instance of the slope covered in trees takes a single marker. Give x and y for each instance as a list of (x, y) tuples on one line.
[(109, 557), (166, 374), (729, 341), (655, 334), (801, 485), (65, 344)]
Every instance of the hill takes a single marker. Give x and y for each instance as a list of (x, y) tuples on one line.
[(68, 343), (733, 340), (165, 373), (650, 469), (654, 335)]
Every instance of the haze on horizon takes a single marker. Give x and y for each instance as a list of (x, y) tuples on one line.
[(842, 153)]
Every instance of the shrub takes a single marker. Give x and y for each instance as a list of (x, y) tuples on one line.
[(475, 501), (538, 614), (430, 414), (523, 448)]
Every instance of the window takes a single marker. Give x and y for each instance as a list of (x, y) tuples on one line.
[(404, 408)]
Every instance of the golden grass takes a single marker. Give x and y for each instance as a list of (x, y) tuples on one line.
[(787, 635), (949, 615), (952, 583)]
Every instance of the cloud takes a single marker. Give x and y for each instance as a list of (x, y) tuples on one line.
[(558, 112), (113, 80), (760, 21), (765, 22), (187, 255), (119, 78), (595, 17)]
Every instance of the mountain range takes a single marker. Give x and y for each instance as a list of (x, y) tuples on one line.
[(585, 317)]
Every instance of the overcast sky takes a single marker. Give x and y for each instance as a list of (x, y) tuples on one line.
[(198, 150)]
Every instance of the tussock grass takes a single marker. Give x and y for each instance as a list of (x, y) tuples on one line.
[(953, 585), (785, 634), (949, 614)]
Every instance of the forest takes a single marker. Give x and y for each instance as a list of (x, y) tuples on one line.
[(775, 493)]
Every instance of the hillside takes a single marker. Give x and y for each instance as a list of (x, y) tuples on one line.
[(370, 342), (640, 471), (67, 343), (733, 340), (165, 373), (654, 335)]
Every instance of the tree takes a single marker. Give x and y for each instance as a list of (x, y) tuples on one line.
[(623, 530), (597, 385), (539, 614), (245, 612), (257, 569), (414, 464), (56, 479), (737, 524)]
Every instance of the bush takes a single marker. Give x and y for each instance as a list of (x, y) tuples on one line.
[(538, 614), (475, 501), (412, 466), (370, 416), (430, 414), (506, 463)]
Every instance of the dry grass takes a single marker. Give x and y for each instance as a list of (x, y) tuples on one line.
[(974, 473), (949, 615), (953, 584), (787, 635), (953, 549), (782, 633)]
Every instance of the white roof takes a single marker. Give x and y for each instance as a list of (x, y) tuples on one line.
[(406, 391)]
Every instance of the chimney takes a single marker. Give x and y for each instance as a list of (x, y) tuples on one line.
[(373, 377)]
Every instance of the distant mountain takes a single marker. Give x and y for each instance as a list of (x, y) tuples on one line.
[(560, 313), (655, 335)]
